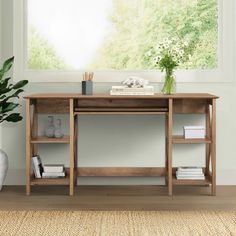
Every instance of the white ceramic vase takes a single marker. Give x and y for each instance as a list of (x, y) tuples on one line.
[(3, 167)]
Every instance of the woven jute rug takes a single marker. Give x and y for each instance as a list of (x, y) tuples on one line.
[(115, 223)]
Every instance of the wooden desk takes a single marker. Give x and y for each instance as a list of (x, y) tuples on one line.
[(77, 104)]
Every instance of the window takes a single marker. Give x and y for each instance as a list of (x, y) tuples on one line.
[(61, 38)]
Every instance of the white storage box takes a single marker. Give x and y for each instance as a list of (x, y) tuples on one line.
[(194, 132)]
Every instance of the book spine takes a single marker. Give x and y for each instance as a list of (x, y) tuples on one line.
[(52, 177), (189, 174), (189, 169), (132, 93), (132, 90), (36, 167), (53, 174), (190, 178), (53, 170)]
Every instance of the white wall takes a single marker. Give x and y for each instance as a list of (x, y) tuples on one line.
[(122, 140)]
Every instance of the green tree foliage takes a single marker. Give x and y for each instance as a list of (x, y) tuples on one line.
[(41, 54), (138, 25)]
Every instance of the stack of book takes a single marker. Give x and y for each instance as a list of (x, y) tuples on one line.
[(124, 90), (46, 171), (191, 173), (53, 171)]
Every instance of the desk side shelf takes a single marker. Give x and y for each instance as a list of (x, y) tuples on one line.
[(51, 181), (43, 139), (37, 106)]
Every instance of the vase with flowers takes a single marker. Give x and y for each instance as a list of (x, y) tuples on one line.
[(167, 56)]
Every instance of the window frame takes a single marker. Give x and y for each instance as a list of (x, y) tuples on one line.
[(224, 73)]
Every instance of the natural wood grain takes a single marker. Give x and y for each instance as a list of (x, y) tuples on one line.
[(189, 182), (119, 113), (190, 106), (75, 149), (124, 109), (169, 140), (116, 103), (121, 198), (213, 147), (166, 148), (28, 145), (43, 139), (51, 181), (179, 139), (72, 150), (95, 96), (208, 136), (122, 171), (52, 105), (35, 128), (100, 104)]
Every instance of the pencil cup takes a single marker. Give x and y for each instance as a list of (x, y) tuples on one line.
[(87, 87)]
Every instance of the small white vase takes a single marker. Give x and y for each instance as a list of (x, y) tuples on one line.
[(3, 167)]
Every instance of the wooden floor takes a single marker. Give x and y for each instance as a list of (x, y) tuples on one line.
[(118, 198)]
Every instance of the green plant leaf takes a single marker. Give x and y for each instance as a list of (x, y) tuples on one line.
[(8, 106), (8, 64), (1, 74), (4, 84), (20, 84), (14, 117), (14, 95), (2, 97)]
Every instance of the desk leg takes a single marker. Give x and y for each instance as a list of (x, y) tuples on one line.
[(76, 150), (72, 151), (170, 123), (213, 147), (166, 149), (208, 135), (35, 128), (28, 146)]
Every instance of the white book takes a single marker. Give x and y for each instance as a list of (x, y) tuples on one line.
[(53, 174), (52, 177), (194, 127), (131, 93), (190, 169), (37, 166), (189, 173), (36, 171), (53, 168), (191, 177), (194, 132)]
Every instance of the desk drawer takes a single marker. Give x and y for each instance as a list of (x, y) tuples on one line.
[(122, 103), (119, 105)]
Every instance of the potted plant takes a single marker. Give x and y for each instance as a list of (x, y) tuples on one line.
[(9, 93), (167, 56)]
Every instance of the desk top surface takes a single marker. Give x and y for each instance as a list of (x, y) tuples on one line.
[(107, 96)]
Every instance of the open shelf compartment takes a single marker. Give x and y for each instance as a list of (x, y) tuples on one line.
[(51, 181), (204, 182)]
